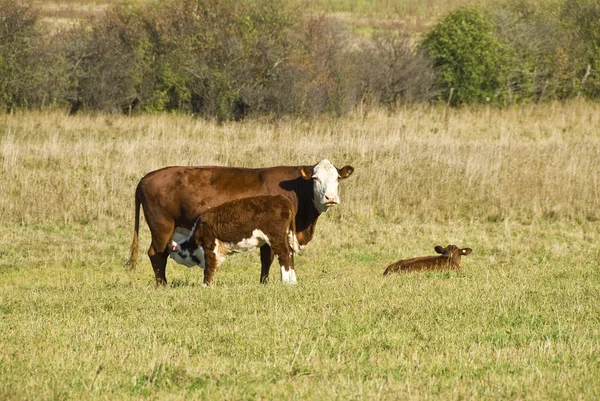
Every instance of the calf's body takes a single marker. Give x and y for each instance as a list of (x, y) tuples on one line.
[(240, 226), (449, 259)]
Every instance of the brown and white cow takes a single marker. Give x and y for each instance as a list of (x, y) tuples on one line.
[(449, 259), (173, 197), (240, 226)]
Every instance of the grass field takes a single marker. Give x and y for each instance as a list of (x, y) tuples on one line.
[(520, 186)]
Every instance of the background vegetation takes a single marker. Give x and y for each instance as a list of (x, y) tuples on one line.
[(518, 185), (226, 59)]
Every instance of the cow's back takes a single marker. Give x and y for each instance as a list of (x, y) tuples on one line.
[(181, 193)]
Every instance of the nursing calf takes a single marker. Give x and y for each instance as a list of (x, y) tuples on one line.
[(449, 259), (239, 226)]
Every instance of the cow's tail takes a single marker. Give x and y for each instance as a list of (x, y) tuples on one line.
[(136, 228)]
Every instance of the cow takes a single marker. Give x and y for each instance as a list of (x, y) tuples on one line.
[(240, 226), (449, 258), (172, 198)]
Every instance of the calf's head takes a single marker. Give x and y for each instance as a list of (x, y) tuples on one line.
[(453, 252), (325, 177), (187, 251)]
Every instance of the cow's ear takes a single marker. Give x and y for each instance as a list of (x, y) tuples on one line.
[(439, 249), (345, 171), (306, 172), (466, 251)]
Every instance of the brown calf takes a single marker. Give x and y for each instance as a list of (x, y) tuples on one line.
[(449, 259), (240, 226)]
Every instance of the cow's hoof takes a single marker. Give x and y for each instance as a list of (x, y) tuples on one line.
[(292, 276), (288, 277)]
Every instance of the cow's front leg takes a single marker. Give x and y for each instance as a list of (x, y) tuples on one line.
[(266, 259), (212, 264), (288, 275)]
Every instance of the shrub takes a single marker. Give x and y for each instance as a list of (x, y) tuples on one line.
[(317, 68), (541, 66), (237, 54), (471, 62), (17, 28), (393, 71), (582, 19), (108, 60), (226, 58), (211, 58)]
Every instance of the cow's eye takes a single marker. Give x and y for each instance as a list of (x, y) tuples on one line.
[(317, 179)]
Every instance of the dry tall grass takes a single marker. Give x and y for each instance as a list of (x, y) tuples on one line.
[(419, 163)]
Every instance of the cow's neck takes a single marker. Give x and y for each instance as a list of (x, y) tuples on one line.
[(305, 227)]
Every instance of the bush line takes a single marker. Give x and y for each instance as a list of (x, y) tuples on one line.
[(226, 59)]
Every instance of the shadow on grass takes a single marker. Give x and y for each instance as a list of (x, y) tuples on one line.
[(177, 283)]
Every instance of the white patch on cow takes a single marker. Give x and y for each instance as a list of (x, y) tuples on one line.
[(325, 185), (181, 234), (294, 244), (257, 240), (186, 256), (221, 250), (288, 277)]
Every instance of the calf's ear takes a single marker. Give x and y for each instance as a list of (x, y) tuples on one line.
[(346, 171), (306, 172), (466, 251), (439, 249)]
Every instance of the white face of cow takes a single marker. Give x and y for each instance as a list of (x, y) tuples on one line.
[(325, 184), (326, 178)]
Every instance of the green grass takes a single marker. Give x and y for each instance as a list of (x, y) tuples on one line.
[(521, 321), (511, 325)]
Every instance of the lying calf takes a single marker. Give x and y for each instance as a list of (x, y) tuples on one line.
[(449, 259), (239, 226)]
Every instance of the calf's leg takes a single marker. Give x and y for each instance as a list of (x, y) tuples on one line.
[(211, 267), (288, 273), (266, 259)]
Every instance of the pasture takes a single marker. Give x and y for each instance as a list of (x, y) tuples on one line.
[(519, 186)]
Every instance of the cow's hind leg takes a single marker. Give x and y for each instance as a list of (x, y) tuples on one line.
[(159, 255), (266, 259), (159, 264)]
